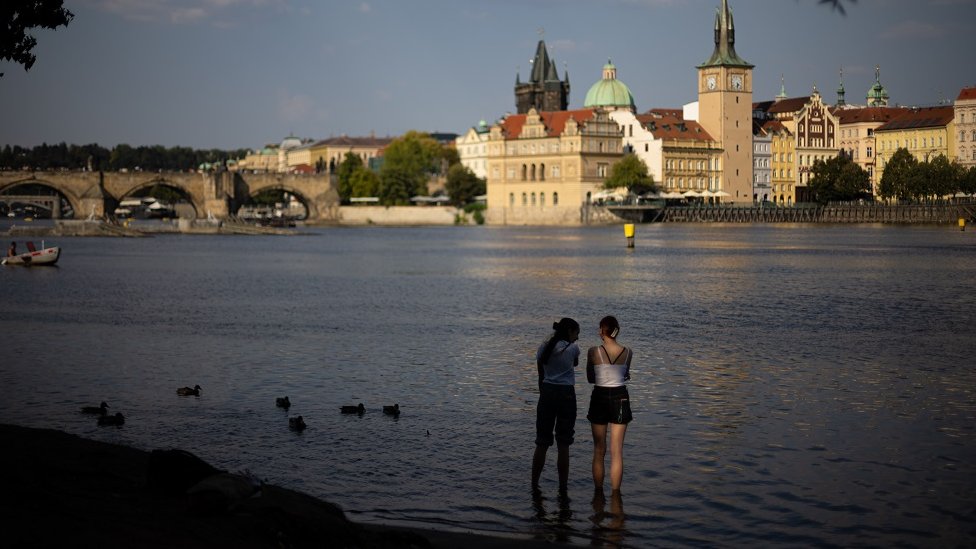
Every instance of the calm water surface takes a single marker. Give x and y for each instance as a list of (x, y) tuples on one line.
[(792, 385)]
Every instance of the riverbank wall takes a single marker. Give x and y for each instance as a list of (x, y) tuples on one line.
[(927, 214)]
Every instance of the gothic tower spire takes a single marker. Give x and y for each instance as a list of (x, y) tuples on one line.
[(724, 54)]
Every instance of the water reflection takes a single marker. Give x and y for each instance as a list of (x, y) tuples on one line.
[(609, 528), (554, 524)]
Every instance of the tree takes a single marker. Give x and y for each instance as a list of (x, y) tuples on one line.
[(631, 172), (943, 177), (967, 181), (396, 186), (364, 182), (21, 16), (349, 165), (463, 185), (897, 179), (838, 179), (416, 157)]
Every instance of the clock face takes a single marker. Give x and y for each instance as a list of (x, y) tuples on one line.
[(736, 82), (710, 82)]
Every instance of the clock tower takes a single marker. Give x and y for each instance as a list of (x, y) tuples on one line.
[(725, 109)]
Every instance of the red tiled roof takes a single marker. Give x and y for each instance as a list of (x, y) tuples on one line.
[(791, 104), (967, 93), (554, 121), (670, 124), (774, 126), (869, 114), (925, 117)]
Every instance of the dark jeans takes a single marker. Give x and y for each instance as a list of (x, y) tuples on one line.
[(556, 412)]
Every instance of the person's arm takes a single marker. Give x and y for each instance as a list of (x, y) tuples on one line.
[(630, 356)]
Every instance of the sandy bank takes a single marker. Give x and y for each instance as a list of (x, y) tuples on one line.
[(66, 491)]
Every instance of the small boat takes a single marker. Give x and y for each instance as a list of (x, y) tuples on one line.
[(32, 257), (360, 409), (189, 391)]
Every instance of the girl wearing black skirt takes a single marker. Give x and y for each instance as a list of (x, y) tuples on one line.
[(608, 368)]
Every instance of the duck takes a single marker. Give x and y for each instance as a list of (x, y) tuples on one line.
[(296, 423), (186, 391), (118, 419), (283, 402), (101, 409), (392, 410), (360, 409)]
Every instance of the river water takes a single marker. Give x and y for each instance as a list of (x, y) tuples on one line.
[(793, 385)]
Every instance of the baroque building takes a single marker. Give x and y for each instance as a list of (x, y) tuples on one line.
[(725, 108), (816, 139), (543, 167), (544, 91), (472, 148), (926, 132), (965, 113), (857, 136)]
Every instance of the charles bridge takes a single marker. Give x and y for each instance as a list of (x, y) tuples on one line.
[(211, 194)]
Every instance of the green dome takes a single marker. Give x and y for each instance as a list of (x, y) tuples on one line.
[(609, 92)]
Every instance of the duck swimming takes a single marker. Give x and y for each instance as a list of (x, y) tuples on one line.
[(283, 402), (296, 423), (392, 410), (101, 409), (118, 419), (186, 391), (360, 409)]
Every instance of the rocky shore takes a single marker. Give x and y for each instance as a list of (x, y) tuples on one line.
[(67, 491)]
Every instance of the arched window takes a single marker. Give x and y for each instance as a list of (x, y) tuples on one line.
[(555, 199), (533, 175), (533, 199), (542, 172), (542, 199), (525, 172), (511, 199), (525, 199)]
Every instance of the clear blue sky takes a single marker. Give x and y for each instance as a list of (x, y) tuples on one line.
[(241, 73)]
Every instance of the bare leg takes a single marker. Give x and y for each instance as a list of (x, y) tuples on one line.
[(538, 462), (562, 465), (617, 432), (599, 453)]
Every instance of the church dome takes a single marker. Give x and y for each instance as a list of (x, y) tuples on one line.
[(609, 92), (290, 142)]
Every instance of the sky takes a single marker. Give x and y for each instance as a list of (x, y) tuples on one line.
[(230, 74)]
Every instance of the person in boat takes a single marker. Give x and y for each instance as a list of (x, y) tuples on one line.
[(608, 369), (12, 249), (555, 418)]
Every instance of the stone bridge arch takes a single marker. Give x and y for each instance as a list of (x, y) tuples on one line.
[(192, 186), (316, 191), (75, 191)]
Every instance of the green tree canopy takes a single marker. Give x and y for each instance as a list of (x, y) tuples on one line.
[(364, 182), (897, 179), (396, 186), (18, 18), (463, 185), (349, 165), (967, 181), (631, 172), (411, 160), (838, 179)]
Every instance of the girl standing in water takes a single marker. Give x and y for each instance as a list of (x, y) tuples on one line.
[(556, 360), (608, 368)]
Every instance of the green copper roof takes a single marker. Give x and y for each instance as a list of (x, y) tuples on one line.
[(724, 54), (609, 92)]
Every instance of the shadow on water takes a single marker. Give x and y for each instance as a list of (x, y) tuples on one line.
[(609, 527), (555, 524)]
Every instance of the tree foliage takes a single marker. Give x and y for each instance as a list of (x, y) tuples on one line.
[(351, 164), (364, 182), (631, 172), (81, 157), (463, 185), (396, 186), (907, 179), (839, 179), (19, 17), (408, 164)]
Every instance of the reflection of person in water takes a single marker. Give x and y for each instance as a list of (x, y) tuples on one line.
[(608, 526)]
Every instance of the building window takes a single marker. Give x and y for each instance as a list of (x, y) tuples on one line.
[(511, 173), (555, 171), (542, 199), (870, 151), (555, 199), (601, 169), (525, 199), (542, 172), (533, 177), (533, 199), (525, 172)]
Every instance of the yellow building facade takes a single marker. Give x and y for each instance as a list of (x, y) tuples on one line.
[(965, 121), (543, 167), (926, 132), (857, 137), (782, 158)]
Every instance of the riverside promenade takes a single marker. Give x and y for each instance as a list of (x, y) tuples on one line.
[(929, 214)]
